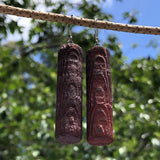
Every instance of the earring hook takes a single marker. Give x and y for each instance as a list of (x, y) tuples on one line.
[(96, 35), (69, 32)]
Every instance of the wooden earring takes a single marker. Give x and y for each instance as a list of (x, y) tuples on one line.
[(99, 96), (69, 93)]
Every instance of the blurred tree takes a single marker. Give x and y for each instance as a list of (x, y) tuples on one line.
[(28, 71)]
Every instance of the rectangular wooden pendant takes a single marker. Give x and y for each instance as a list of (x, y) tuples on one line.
[(69, 95), (99, 97)]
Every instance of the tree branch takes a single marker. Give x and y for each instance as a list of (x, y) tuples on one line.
[(25, 54)]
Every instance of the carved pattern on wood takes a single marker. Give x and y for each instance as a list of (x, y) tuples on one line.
[(69, 95), (99, 97)]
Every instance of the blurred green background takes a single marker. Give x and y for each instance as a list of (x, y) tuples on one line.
[(28, 77)]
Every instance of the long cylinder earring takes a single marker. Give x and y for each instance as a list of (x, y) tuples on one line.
[(69, 93), (99, 96)]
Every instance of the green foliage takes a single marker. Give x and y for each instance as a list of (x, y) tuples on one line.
[(131, 16), (28, 77), (89, 10)]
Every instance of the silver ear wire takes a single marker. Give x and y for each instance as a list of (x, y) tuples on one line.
[(96, 35), (70, 33)]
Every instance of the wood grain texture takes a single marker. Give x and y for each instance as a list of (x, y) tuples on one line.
[(99, 97), (69, 95)]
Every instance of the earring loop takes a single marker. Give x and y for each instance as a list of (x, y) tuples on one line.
[(70, 33), (96, 35)]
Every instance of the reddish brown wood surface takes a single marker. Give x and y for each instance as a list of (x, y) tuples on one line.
[(99, 97), (69, 95)]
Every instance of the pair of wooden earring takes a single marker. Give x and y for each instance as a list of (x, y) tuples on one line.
[(69, 95)]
